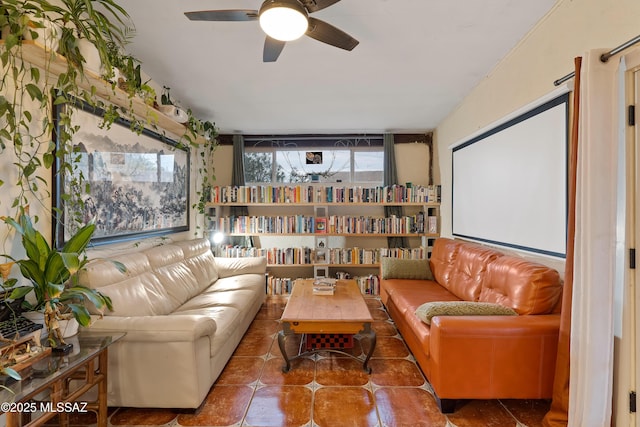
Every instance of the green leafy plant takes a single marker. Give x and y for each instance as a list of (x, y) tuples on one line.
[(28, 91), (53, 274), (198, 130)]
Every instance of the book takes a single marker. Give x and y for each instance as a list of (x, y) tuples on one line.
[(324, 286), (326, 281), (323, 290), (321, 225)]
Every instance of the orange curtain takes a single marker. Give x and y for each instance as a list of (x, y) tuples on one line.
[(558, 414)]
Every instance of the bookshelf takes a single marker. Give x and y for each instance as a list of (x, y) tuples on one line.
[(344, 228)]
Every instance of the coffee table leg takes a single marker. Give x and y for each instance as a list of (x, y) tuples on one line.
[(281, 339), (372, 337)]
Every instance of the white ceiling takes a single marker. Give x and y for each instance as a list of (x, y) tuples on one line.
[(416, 61)]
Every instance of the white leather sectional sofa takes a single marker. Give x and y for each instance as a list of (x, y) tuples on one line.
[(183, 311)]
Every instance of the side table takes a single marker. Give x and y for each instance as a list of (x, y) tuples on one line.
[(53, 386)]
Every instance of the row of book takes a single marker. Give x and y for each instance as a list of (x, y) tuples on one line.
[(369, 285), (345, 224), (326, 194), (334, 224), (308, 256), (367, 256), (279, 285), (275, 256)]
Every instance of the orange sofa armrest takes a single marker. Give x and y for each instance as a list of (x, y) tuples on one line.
[(486, 353), (457, 330)]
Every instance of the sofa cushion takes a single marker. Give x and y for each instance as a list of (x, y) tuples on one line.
[(136, 292), (396, 268), (467, 270), (226, 319), (525, 286), (461, 308), (227, 267), (442, 258), (253, 282), (407, 294), (240, 299), (200, 260), (179, 282)]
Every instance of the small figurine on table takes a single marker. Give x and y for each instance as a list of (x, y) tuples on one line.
[(51, 316)]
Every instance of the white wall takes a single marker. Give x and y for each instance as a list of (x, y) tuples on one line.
[(528, 71)]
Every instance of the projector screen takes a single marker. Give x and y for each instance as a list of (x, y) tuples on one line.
[(510, 183)]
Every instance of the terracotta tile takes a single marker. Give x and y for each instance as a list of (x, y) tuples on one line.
[(292, 344), (529, 412), (344, 371), (379, 314), (390, 347), (224, 406), (410, 407), (384, 329), (272, 309), (142, 417), (253, 345), (395, 372), (241, 371), (76, 419), (485, 413), (301, 373), (344, 406), (263, 327), (280, 406), (373, 303)]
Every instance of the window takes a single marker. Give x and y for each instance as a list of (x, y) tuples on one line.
[(292, 159)]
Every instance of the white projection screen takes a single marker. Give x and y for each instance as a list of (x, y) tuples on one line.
[(510, 183)]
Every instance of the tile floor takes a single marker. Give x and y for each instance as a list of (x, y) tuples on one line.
[(327, 390)]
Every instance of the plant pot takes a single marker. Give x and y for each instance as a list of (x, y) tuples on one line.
[(48, 35), (113, 77), (37, 317), (90, 54), (68, 328), (176, 113)]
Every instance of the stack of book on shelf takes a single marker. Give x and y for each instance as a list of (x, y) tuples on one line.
[(278, 285), (369, 285), (324, 286)]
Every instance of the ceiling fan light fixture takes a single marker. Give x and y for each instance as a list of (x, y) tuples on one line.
[(283, 20)]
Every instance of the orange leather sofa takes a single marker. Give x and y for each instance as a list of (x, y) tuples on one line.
[(480, 357)]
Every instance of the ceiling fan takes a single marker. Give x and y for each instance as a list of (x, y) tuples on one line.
[(283, 21)]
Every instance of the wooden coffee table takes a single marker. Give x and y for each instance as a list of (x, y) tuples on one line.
[(344, 312)]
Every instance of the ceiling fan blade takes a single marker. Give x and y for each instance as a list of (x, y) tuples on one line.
[(327, 33), (316, 5), (272, 49), (223, 15)]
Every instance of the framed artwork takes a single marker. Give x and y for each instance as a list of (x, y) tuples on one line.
[(138, 185), (313, 157)]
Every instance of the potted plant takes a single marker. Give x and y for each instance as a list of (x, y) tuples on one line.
[(28, 91), (53, 277)]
